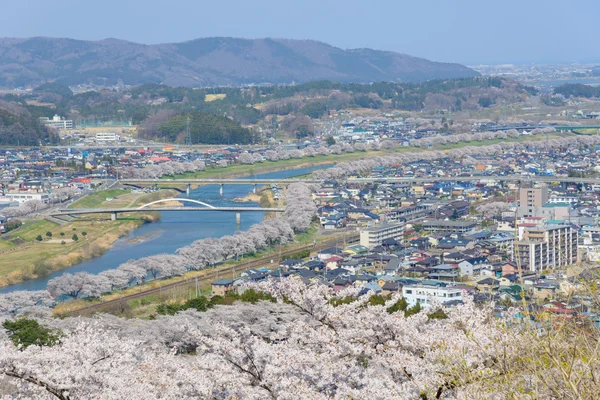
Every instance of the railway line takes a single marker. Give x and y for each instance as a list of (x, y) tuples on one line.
[(191, 282)]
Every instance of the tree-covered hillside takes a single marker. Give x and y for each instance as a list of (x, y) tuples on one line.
[(22, 129), (204, 128)]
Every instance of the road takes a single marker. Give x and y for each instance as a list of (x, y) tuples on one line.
[(209, 277)]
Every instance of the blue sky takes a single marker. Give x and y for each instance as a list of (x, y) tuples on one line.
[(465, 31)]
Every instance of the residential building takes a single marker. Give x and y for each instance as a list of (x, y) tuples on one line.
[(222, 287), (372, 237), (542, 247), (535, 196), (425, 294), (449, 226)]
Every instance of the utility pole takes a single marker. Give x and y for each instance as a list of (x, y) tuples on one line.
[(188, 135)]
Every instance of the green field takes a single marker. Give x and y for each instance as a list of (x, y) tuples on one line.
[(265, 166), (95, 200)]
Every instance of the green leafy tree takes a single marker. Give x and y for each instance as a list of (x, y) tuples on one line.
[(413, 310), (27, 332), (39, 238), (75, 237), (400, 305), (49, 234), (330, 141)]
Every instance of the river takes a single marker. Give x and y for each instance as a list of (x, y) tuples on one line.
[(174, 230)]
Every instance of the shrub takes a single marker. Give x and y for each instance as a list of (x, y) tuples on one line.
[(49, 234), (26, 332), (39, 238), (75, 237)]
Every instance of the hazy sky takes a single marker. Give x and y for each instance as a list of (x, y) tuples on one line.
[(465, 31)]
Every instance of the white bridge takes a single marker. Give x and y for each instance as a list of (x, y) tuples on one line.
[(149, 207)]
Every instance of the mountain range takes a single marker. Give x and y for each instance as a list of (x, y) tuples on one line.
[(217, 61)]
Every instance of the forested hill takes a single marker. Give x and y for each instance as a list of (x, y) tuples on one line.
[(204, 128), (207, 62), (19, 127)]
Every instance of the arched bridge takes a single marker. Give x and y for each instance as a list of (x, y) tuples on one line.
[(177, 199), (115, 211)]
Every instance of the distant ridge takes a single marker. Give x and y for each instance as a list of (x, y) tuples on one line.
[(214, 61)]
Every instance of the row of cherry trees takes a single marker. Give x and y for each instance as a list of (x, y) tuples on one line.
[(478, 136), (34, 206), (361, 166), (308, 345), (156, 171), (300, 210), (29, 207)]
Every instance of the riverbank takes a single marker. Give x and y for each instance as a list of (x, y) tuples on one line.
[(64, 246), (140, 301)]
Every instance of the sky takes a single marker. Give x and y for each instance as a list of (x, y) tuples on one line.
[(465, 31)]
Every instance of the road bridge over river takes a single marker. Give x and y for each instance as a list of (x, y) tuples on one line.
[(215, 181), (114, 212)]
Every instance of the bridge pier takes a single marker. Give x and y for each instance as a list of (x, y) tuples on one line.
[(238, 218), (221, 189), (113, 216), (187, 190), (254, 189)]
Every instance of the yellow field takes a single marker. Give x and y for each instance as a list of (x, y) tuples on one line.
[(213, 97)]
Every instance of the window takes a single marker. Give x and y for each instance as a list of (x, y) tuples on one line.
[(408, 291)]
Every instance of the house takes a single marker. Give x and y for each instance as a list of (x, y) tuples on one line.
[(488, 285), (443, 271), (330, 252), (426, 295), (222, 287), (472, 266), (390, 288)]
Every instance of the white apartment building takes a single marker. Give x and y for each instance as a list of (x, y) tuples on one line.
[(542, 247), (107, 137), (57, 122), (372, 237), (426, 295)]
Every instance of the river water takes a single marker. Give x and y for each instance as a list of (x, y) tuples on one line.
[(175, 229)]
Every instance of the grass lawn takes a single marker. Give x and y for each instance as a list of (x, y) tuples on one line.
[(19, 264), (96, 200), (30, 231), (243, 170)]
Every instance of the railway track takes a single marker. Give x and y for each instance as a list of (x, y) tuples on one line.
[(211, 275)]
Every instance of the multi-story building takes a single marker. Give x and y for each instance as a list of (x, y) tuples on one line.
[(543, 247), (23, 197), (426, 295), (372, 237), (530, 197), (57, 122), (449, 226)]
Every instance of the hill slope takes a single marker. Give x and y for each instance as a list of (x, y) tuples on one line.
[(207, 62)]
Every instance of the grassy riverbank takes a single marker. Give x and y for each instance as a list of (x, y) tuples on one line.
[(23, 256)]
